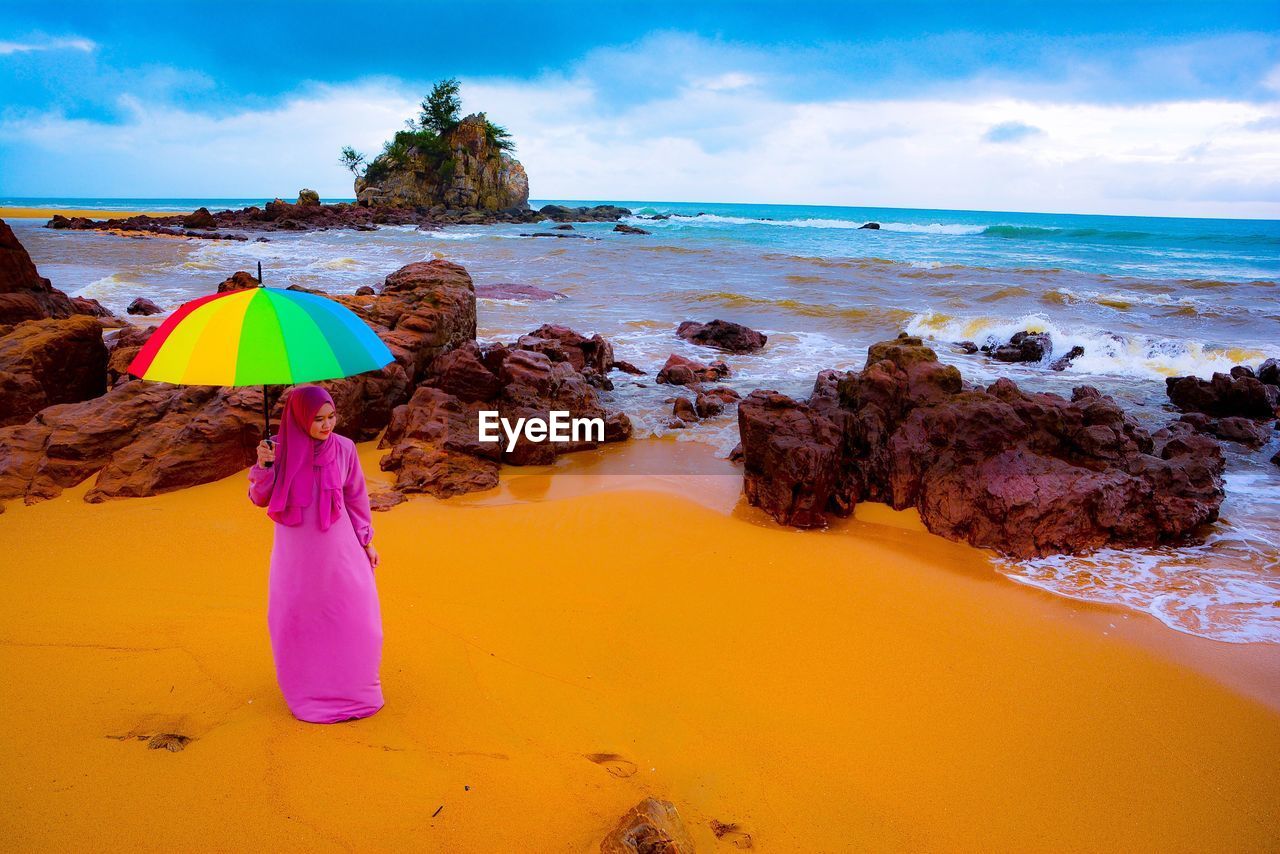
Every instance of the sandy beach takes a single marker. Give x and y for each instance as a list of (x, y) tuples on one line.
[(558, 649), (90, 213)]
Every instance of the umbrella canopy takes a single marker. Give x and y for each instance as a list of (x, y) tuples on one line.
[(259, 336)]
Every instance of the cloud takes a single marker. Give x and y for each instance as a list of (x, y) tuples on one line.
[(735, 136), (1011, 132), (66, 43)]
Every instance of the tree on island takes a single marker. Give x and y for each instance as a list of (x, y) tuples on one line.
[(426, 137)]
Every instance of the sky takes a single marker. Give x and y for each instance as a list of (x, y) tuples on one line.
[(1092, 107)]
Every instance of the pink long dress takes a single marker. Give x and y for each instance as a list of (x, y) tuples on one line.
[(322, 604)]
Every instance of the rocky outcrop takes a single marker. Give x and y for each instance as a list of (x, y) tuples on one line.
[(434, 439), (650, 827), (623, 228), (238, 281), (475, 176), (1026, 474), (144, 306), (1233, 428), (1225, 395), (142, 438), (24, 293), (596, 213), (722, 335), (51, 361)]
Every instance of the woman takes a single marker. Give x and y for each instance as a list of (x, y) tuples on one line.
[(322, 604)]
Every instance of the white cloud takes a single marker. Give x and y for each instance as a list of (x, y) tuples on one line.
[(706, 139), (68, 43)]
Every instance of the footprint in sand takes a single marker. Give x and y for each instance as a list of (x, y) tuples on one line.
[(613, 763), (731, 832), (170, 741)]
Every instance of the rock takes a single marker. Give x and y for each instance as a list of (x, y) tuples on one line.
[(385, 499), (598, 213), (1240, 371), (308, 197), (1276, 458), (684, 409), (129, 434), (239, 281), (1022, 347), (199, 218), (791, 458), (553, 234), (623, 228), (513, 291), (564, 226), (722, 335), (650, 827), (625, 367), (1224, 395), (144, 306), (475, 175), (1269, 372), (966, 347), (707, 405), (90, 307), (365, 291), (1063, 362), (1026, 474), (462, 373), (679, 370), (904, 350), (874, 226), (24, 293), (562, 344), (1233, 428), (123, 347), (50, 361), (724, 394)]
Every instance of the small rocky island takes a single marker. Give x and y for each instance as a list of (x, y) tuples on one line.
[(443, 163)]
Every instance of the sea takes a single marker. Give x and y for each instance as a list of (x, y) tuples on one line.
[(1146, 297)]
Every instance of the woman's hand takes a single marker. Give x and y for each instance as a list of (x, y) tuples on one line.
[(266, 453), (372, 553)]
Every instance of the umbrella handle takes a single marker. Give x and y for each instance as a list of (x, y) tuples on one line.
[(266, 420)]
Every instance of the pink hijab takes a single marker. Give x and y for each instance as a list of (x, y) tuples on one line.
[(301, 460)]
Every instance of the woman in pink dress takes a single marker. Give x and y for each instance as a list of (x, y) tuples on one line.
[(322, 603)]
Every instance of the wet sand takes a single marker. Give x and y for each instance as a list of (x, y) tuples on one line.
[(47, 213), (564, 646)]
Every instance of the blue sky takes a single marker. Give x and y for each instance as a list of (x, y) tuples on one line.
[(1088, 107)]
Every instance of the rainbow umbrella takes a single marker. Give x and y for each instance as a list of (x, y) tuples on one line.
[(259, 336)]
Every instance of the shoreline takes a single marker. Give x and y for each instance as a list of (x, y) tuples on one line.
[(618, 640), (89, 213)]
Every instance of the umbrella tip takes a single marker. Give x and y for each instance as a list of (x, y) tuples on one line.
[(259, 272)]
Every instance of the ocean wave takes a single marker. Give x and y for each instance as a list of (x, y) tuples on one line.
[(818, 222), (1105, 353), (729, 299), (1194, 590)]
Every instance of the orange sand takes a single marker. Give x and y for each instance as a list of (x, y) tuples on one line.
[(555, 654), (47, 213)]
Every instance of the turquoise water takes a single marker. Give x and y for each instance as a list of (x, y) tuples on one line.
[(1149, 247)]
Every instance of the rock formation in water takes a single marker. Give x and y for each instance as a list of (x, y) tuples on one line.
[(1026, 474), (467, 172)]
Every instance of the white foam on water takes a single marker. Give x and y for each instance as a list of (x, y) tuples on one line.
[(812, 222), (1105, 353)]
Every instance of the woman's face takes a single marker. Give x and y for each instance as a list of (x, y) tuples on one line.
[(322, 425)]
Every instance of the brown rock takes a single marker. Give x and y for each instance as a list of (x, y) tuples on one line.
[(24, 293), (623, 228), (462, 373), (123, 347), (625, 367), (707, 405), (1233, 428), (684, 409), (650, 827), (199, 218), (308, 197), (143, 306), (51, 361), (365, 291), (1269, 372), (679, 370), (239, 281), (722, 335), (562, 344), (1224, 395), (90, 307), (1064, 361), (1027, 474)]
